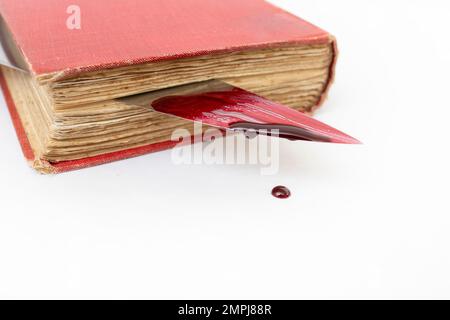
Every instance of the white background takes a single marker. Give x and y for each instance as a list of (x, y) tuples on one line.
[(367, 221)]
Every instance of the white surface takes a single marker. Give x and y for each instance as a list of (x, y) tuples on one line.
[(368, 221)]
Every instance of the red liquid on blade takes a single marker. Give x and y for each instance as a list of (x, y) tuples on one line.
[(281, 192), (237, 109)]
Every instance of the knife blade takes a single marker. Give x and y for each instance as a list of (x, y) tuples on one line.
[(224, 106), (10, 55)]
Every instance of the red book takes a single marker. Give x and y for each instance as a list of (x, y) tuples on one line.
[(124, 34)]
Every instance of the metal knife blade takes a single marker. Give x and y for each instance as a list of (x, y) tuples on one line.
[(221, 105)]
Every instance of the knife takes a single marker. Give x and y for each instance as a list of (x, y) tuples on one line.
[(10, 56), (224, 106)]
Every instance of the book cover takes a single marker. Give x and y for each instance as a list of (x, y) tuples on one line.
[(122, 33), (127, 32)]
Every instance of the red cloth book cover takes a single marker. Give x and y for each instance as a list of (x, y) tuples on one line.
[(128, 32)]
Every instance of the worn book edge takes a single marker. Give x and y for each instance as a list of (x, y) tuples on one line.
[(46, 167)]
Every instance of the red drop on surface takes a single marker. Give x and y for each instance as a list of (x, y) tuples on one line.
[(281, 192)]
